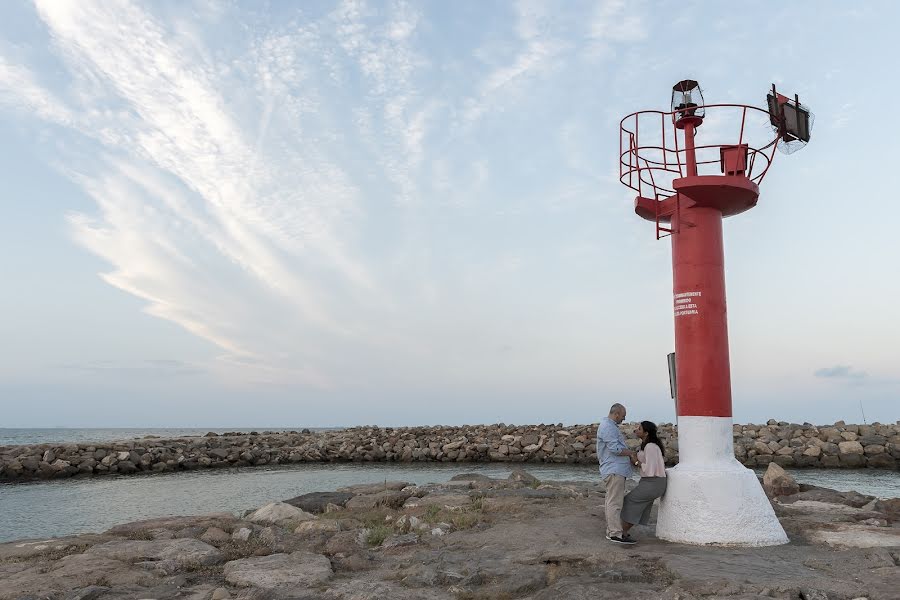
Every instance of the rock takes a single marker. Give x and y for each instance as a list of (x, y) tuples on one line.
[(220, 594), (374, 488), (316, 502), (323, 525), (181, 553), (279, 540), (280, 514), (398, 541), (812, 594), (852, 460), (214, 536), (786, 444), (174, 523), (241, 535), (890, 506), (523, 476), (279, 572), (761, 448), (471, 477), (92, 592), (344, 542), (851, 447), (74, 572), (777, 482), (882, 461), (448, 501), (388, 498)]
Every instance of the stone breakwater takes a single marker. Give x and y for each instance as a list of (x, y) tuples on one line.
[(787, 444)]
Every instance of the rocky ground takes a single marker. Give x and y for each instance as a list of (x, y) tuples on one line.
[(471, 538)]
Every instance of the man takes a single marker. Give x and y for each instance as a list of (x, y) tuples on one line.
[(615, 467)]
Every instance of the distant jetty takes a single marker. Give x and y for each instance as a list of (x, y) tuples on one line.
[(788, 444)]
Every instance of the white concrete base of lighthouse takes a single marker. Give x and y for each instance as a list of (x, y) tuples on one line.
[(710, 497)]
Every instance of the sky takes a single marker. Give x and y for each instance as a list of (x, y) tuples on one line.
[(285, 214)]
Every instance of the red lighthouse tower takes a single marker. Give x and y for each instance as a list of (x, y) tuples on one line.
[(686, 187)]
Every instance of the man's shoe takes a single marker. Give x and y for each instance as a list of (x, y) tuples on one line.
[(620, 540)]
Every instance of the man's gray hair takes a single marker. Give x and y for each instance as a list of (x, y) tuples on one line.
[(616, 408)]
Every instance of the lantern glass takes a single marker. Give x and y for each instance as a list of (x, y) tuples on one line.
[(687, 99)]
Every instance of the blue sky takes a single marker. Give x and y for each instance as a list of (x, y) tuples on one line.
[(317, 213)]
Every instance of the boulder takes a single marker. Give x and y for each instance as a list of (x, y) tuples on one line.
[(777, 482), (279, 572), (316, 502), (850, 447), (882, 461), (214, 535), (318, 526), (388, 498), (761, 448), (280, 513), (522, 476), (374, 488)]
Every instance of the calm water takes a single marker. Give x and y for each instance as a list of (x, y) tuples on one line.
[(11, 437), (55, 508)]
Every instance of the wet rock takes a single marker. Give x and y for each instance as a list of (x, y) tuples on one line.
[(316, 502), (374, 488), (476, 477)]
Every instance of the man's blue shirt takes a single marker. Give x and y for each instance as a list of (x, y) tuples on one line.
[(610, 442)]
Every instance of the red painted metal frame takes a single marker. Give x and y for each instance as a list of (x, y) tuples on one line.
[(639, 164)]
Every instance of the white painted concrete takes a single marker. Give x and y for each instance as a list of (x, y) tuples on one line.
[(711, 498)]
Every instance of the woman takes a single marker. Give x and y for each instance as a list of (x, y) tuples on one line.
[(639, 501)]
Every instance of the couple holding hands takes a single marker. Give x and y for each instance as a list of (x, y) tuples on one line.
[(616, 465)]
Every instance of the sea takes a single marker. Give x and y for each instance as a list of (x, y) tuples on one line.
[(48, 509), (65, 435)]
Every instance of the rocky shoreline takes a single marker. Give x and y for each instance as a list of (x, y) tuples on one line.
[(472, 538), (787, 444)]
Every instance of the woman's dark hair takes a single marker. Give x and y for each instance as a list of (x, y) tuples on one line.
[(652, 437)]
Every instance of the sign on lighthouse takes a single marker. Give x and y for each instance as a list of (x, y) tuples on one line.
[(686, 188)]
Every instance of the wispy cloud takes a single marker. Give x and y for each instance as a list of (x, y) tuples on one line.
[(147, 368), (536, 48), (841, 372), (280, 195)]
